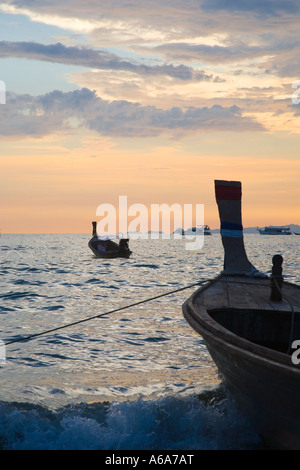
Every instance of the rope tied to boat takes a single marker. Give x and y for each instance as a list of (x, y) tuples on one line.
[(292, 314), (277, 294), (119, 309)]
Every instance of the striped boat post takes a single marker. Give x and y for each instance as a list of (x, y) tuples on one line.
[(229, 197)]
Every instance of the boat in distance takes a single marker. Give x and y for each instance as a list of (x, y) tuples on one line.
[(105, 247), (273, 230), (207, 230), (200, 230), (250, 323)]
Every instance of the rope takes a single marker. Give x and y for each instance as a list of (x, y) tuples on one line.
[(52, 330), (292, 318)]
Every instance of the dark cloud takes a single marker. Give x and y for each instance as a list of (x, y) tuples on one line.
[(252, 29), (98, 59), (134, 7), (277, 56), (164, 45), (58, 111), (259, 7), (211, 54)]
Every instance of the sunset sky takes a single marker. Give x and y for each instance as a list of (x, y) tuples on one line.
[(149, 99)]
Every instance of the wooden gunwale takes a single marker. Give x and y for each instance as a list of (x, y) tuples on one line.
[(197, 314)]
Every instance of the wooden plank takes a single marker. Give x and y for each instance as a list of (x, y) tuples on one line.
[(242, 296), (292, 295), (255, 293), (262, 294), (216, 295), (243, 292)]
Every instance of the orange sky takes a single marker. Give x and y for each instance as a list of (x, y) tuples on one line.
[(112, 102), (48, 188)]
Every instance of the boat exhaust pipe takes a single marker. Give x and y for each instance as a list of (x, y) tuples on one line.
[(229, 196)]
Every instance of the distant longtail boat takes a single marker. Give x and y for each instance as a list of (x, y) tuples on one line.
[(106, 247)]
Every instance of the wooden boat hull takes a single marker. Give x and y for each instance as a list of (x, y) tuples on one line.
[(249, 323), (263, 381), (105, 247), (108, 253)]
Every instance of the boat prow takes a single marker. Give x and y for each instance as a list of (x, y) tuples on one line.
[(249, 322)]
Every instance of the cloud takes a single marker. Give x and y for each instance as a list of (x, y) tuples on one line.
[(170, 54), (98, 59), (130, 23), (215, 54), (245, 29), (257, 7), (41, 13), (58, 111), (277, 57)]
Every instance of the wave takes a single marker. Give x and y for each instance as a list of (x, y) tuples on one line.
[(18, 295), (151, 266), (207, 422)]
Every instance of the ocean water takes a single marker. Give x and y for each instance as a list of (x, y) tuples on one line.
[(137, 379)]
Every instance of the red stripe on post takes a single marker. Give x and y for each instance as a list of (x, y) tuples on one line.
[(228, 192)]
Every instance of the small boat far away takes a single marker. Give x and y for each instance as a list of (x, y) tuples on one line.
[(273, 230), (249, 322), (105, 247), (207, 230)]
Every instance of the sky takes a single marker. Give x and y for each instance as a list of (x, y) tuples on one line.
[(152, 100)]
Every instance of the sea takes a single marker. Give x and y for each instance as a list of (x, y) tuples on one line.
[(98, 372)]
